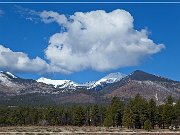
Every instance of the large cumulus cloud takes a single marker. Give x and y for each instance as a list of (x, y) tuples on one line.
[(97, 40)]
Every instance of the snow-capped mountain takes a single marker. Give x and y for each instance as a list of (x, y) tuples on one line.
[(6, 78), (8, 74), (147, 85), (10, 84), (111, 78), (97, 85), (18, 90), (59, 83)]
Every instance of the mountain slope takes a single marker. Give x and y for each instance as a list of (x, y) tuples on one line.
[(59, 83), (15, 90), (13, 85), (109, 79), (147, 85), (143, 76), (96, 85)]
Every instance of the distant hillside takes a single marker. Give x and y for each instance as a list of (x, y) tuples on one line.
[(16, 90)]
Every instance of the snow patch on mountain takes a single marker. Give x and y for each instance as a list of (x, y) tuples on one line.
[(10, 74), (111, 78), (5, 80), (58, 83)]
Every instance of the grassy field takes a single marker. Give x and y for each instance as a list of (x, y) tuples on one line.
[(50, 130)]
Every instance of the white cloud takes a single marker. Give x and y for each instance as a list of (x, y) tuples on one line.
[(20, 62), (50, 16), (92, 40), (97, 40)]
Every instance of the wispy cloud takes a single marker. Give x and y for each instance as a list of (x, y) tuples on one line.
[(28, 14), (1, 13), (97, 40)]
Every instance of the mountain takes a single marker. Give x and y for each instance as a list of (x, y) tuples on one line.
[(59, 83), (96, 85), (147, 85), (10, 84), (143, 76), (18, 91), (10, 75), (109, 79)]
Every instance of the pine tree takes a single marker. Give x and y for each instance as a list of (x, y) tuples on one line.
[(159, 116), (177, 112), (147, 125), (118, 118), (152, 112), (79, 117), (138, 107), (108, 121), (117, 108), (168, 114), (169, 100), (95, 115), (128, 120)]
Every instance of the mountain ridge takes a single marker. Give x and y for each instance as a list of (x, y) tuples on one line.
[(15, 90), (108, 79)]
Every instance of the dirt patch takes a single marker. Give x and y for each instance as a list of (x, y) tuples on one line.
[(64, 130)]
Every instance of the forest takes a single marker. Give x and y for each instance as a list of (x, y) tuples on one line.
[(137, 113)]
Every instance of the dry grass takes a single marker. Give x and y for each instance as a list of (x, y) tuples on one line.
[(64, 130)]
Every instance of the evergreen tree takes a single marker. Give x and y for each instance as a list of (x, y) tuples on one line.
[(139, 111), (152, 112), (168, 114), (128, 120), (114, 113), (147, 125), (169, 100), (177, 112), (95, 115), (79, 117), (108, 121), (117, 108), (159, 116)]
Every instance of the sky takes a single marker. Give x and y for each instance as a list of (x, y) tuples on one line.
[(84, 42)]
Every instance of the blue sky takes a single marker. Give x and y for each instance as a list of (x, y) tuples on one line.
[(162, 21)]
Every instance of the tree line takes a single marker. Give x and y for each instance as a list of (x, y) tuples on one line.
[(136, 113)]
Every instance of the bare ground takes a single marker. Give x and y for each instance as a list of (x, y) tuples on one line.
[(64, 130)]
